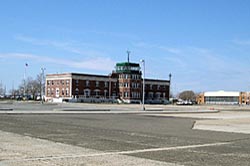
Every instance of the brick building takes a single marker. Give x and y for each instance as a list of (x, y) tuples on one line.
[(123, 85)]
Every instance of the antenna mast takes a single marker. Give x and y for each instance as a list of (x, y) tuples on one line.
[(128, 52)]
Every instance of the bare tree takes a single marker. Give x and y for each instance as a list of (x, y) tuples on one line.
[(30, 87), (1, 89), (39, 79), (34, 88), (25, 86), (187, 95)]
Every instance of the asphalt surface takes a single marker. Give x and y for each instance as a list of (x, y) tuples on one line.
[(167, 139)]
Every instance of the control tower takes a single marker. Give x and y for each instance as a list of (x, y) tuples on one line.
[(129, 80)]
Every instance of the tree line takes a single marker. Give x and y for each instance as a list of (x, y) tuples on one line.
[(30, 88)]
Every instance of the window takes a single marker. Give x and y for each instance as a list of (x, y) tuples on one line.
[(52, 82), (106, 84), (67, 91), (133, 85), (135, 95), (97, 83), (62, 92), (151, 86), (126, 85), (67, 82), (57, 92), (48, 92), (158, 95), (151, 94), (125, 94), (87, 83), (77, 82), (86, 92), (158, 87), (105, 93), (77, 91), (48, 82), (97, 92)]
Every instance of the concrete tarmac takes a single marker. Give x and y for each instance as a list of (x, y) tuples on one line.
[(117, 139)]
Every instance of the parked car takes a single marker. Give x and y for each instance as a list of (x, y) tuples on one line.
[(185, 102)]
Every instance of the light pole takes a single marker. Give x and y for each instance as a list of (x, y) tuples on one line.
[(42, 83), (25, 75), (109, 86), (143, 84), (170, 75)]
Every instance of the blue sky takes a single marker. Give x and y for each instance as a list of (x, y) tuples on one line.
[(205, 44)]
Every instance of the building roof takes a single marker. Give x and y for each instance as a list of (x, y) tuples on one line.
[(127, 67), (222, 94), (75, 74), (128, 64)]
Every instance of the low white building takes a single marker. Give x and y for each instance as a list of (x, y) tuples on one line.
[(222, 97)]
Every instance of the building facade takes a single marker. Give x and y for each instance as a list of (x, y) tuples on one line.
[(224, 97), (123, 85)]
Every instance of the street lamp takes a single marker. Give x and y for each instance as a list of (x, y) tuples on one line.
[(170, 75), (143, 84), (42, 83), (25, 75), (110, 86)]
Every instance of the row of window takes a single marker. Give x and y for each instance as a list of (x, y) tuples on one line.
[(106, 84), (97, 83), (156, 95), (130, 76), (135, 95), (94, 93), (64, 92), (87, 83), (127, 85), (158, 87), (138, 85), (88, 92), (221, 99), (57, 82), (150, 95), (130, 68)]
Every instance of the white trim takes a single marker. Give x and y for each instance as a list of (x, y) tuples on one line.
[(94, 78), (222, 94), (70, 88), (156, 82)]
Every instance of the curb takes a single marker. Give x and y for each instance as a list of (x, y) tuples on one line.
[(81, 110)]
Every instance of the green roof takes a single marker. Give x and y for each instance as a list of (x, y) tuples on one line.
[(128, 64), (126, 67)]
